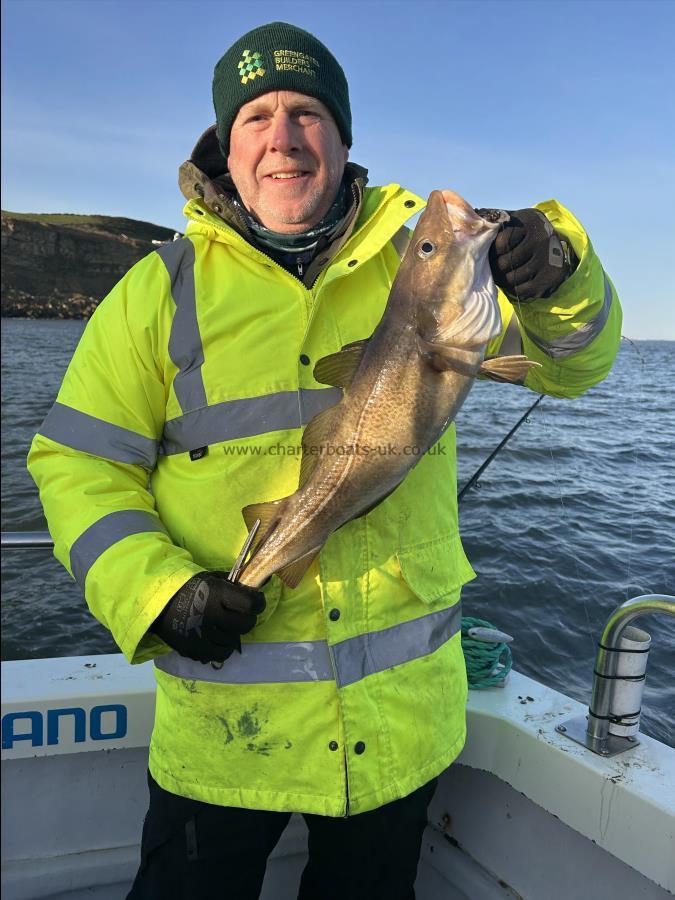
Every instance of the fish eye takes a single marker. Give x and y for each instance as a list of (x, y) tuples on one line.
[(426, 249)]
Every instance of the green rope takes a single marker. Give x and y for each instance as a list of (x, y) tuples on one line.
[(487, 663)]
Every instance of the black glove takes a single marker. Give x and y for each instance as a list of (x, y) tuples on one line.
[(207, 616), (528, 259)]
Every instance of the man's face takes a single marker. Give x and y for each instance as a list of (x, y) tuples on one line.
[(286, 160)]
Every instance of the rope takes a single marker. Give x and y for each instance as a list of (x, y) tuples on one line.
[(487, 663)]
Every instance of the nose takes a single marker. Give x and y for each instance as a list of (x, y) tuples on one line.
[(285, 133)]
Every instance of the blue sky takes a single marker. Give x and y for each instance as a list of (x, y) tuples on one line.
[(506, 102)]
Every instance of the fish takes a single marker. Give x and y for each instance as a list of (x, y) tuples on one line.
[(402, 387)]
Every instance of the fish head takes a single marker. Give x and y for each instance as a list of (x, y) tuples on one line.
[(455, 295)]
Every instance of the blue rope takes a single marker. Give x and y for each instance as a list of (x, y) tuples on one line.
[(483, 657)]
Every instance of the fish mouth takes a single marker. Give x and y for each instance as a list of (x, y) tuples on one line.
[(467, 224)]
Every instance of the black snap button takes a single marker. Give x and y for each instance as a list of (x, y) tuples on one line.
[(352, 262), (333, 745), (304, 359), (409, 203), (334, 615), (359, 747)]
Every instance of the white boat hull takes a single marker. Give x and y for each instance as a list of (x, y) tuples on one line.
[(524, 813)]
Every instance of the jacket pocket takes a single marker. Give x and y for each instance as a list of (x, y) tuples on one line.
[(435, 571)]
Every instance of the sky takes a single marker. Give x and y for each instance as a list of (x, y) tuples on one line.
[(507, 103)]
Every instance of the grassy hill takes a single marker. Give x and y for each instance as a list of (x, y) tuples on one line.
[(113, 225)]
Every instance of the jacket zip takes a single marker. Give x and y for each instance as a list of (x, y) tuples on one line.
[(346, 815), (229, 231)]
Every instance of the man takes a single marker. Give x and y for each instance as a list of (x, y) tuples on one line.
[(183, 403)]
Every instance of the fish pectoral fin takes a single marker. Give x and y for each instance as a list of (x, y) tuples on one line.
[(361, 345), (507, 368), (313, 438), (267, 512), (446, 357), (338, 369), (292, 574)]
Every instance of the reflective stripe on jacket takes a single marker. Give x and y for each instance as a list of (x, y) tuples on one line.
[(184, 402)]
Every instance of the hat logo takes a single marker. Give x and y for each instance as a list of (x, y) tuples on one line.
[(250, 65)]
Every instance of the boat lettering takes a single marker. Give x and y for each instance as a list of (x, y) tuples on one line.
[(106, 722)]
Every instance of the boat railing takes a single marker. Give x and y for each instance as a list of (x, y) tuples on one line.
[(26, 540)]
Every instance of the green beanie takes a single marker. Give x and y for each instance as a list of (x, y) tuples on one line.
[(278, 57)]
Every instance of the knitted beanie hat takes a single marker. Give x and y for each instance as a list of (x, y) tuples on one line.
[(278, 57)]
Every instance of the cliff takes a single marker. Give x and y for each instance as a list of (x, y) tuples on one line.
[(61, 266)]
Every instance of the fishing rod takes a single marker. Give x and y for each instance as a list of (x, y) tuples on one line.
[(474, 478)]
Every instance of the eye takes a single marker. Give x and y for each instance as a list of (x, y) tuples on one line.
[(306, 115), (426, 248)]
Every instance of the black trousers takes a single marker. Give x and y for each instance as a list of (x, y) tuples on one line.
[(196, 851)]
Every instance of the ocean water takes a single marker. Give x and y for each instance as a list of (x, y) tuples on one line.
[(575, 515)]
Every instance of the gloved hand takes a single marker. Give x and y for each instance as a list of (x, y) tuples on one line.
[(528, 259), (207, 616)]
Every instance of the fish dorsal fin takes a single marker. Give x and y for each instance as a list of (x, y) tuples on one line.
[(292, 574), (338, 369), (313, 439), (507, 368), (267, 512)]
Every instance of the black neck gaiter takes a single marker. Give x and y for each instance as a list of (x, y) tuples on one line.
[(295, 251)]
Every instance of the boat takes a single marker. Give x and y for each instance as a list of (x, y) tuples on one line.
[(549, 799)]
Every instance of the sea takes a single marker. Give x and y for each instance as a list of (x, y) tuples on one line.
[(573, 516)]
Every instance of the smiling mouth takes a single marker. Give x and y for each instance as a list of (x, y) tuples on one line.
[(287, 176)]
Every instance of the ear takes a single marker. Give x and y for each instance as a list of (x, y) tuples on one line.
[(345, 151)]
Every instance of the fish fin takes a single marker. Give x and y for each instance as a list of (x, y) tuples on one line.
[(292, 574), (356, 344), (507, 368), (444, 357), (267, 512), (313, 438), (338, 369)]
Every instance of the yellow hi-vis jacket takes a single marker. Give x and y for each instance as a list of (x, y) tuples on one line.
[(351, 690)]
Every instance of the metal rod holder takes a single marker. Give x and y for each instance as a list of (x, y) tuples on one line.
[(593, 731)]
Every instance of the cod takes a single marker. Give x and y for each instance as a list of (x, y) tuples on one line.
[(402, 387)]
